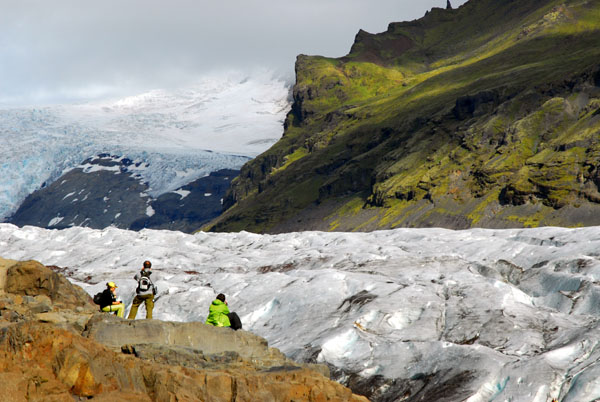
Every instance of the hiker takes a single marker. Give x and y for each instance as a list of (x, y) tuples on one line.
[(144, 293), (219, 315), (109, 302), (218, 312)]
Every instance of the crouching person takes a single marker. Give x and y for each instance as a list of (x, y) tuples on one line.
[(219, 315), (144, 293), (218, 312), (109, 302)]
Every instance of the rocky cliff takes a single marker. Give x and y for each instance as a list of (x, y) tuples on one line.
[(56, 346), (483, 116), (108, 190)]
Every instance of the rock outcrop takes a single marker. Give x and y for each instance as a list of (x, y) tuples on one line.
[(56, 346), (109, 191)]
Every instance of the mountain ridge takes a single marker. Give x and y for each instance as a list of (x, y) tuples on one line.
[(473, 117)]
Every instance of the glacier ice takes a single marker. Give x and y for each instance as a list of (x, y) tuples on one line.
[(489, 314), (219, 122)]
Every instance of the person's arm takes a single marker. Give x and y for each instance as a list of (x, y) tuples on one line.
[(224, 308), (114, 299)]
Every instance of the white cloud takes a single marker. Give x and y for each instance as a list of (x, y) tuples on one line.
[(60, 49)]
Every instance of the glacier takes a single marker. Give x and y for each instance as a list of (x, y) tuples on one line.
[(182, 134), (405, 314)]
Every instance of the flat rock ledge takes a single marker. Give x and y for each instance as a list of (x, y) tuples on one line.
[(56, 346)]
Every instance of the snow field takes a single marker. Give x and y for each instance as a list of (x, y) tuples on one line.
[(511, 312)]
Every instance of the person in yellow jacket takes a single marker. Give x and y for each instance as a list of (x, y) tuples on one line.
[(218, 312)]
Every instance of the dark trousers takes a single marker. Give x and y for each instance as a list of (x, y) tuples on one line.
[(148, 300)]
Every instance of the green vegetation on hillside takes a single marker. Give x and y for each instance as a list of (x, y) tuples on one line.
[(488, 115)]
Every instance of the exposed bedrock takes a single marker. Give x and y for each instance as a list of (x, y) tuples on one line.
[(56, 346)]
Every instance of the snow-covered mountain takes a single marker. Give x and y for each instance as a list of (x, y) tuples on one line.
[(182, 135), (408, 314)]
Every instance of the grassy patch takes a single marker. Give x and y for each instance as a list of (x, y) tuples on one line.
[(291, 158)]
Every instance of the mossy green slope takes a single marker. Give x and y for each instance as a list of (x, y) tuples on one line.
[(484, 116)]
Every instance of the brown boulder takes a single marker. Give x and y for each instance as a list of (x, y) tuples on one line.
[(32, 279), (115, 333)]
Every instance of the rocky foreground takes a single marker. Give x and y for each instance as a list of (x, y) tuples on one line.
[(56, 346)]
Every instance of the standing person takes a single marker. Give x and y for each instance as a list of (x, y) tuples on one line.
[(218, 312), (109, 302), (144, 293)]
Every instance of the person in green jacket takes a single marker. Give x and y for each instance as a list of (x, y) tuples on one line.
[(218, 311)]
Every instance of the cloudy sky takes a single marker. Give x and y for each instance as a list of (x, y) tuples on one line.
[(62, 50)]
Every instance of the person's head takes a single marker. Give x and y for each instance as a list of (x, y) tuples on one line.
[(147, 264), (112, 286), (221, 297)]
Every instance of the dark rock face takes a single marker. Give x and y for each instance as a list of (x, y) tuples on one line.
[(596, 77), (108, 191), (367, 47), (473, 105), (96, 199), (191, 206)]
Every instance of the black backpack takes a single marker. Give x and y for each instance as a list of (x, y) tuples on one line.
[(235, 321), (98, 298)]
